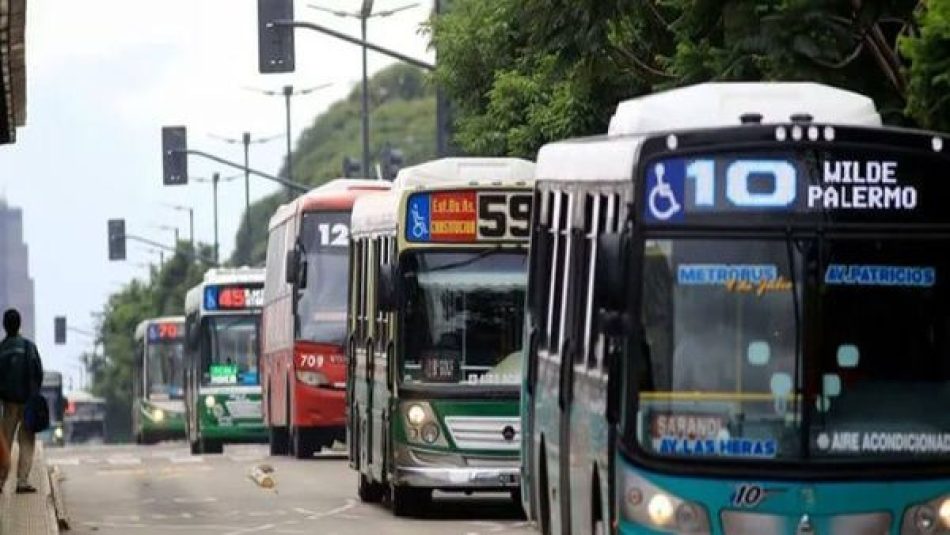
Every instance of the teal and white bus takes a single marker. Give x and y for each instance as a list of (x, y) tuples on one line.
[(739, 318), (223, 349), (158, 377)]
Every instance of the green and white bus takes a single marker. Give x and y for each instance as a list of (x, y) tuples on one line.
[(740, 320), (437, 287), (158, 380), (222, 378)]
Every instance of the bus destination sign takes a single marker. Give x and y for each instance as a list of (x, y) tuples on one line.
[(169, 331), (841, 185), (466, 216), (233, 297)]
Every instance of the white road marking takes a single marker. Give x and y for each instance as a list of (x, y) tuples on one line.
[(263, 527), (72, 461), (124, 461), (190, 499), (186, 460)]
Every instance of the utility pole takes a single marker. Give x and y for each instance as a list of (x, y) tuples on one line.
[(214, 187), (366, 12), (246, 139)]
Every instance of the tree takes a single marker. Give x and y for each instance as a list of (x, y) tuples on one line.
[(525, 72)]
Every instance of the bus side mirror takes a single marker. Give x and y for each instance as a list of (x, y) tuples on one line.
[(191, 334), (296, 269), (387, 289), (611, 272)]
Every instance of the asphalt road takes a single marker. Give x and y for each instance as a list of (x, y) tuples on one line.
[(163, 489)]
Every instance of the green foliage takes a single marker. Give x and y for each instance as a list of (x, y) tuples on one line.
[(525, 72), (402, 114), (929, 72), (111, 371)]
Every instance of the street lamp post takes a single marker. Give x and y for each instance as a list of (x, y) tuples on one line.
[(366, 12), (191, 220), (288, 92), (215, 179)]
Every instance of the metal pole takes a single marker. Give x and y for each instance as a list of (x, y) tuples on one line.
[(191, 227), (442, 118), (247, 186), (289, 92), (214, 186), (176, 238), (365, 103)]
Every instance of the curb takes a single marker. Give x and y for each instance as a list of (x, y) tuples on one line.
[(59, 500)]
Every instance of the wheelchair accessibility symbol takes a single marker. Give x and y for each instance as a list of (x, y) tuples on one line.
[(420, 223), (662, 200)]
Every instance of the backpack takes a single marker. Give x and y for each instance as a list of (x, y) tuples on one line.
[(36, 414)]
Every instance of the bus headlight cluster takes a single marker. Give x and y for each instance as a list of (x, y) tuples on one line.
[(648, 505), (210, 402), (312, 378), (158, 415), (422, 427), (58, 432), (931, 518)]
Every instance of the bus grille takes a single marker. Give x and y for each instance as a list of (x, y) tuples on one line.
[(485, 433), (244, 409)]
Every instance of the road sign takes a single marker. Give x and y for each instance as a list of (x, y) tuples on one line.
[(116, 239), (275, 44), (174, 155)]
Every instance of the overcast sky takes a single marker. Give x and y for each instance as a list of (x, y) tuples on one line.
[(103, 76)]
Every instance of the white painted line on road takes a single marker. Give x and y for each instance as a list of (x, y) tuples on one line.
[(350, 503), (263, 527), (64, 462), (186, 460), (124, 461), (188, 528), (192, 499)]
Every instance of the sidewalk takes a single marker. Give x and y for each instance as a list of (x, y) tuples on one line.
[(28, 514)]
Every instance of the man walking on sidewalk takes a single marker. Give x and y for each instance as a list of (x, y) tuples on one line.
[(21, 375)]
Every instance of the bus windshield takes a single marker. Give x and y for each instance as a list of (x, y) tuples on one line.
[(165, 373), (464, 316), (720, 323), (232, 350), (321, 306), (723, 379)]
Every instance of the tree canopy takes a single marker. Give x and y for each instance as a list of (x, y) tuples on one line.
[(525, 72)]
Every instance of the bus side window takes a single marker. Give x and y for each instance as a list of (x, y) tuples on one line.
[(558, 268), (594, 227)]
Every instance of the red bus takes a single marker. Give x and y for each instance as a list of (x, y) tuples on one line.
[(304, 319)]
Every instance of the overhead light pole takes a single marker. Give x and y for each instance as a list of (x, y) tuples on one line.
[(365, 13), (246, 140), (191, 220), (287, 92), (215, 179)]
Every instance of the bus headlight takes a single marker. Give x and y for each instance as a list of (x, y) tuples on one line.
[(210, 402), (58, 432), (158, 415), (929, 518), (650, 506), (416, 415), (430, 433), (312, 378)]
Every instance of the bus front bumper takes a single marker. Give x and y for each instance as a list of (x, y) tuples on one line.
[(452, 471)]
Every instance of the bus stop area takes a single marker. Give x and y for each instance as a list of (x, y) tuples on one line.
[(41, 513)]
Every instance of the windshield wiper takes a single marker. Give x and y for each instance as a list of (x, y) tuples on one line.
[(790, 247)]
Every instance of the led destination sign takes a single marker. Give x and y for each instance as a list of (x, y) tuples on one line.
[(233, 297), (852, 185), (468, 216), (158, 332)]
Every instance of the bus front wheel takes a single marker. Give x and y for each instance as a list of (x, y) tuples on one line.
[(279, 441), (407, 501), (368, 491), (211, 446), (302, 443)]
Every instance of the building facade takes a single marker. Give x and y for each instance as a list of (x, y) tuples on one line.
[(16, 285)]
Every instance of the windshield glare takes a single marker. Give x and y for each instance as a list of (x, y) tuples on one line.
[(321, 306), (719, 318), (232, 350), (465, 312), (165, 375)]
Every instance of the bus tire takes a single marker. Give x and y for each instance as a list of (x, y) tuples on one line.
[(195, 450), (211, 446), (407, 501), (301, 443), (544, 502), (368, 491), (279, 441)]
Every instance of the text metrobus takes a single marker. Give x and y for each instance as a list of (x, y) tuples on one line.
[(741, 329), (437, 289)]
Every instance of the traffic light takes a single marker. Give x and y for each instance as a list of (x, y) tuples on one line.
[(351, 167), (116, 239), (174, 155), (391, 160), (275, 44), (59, 330)]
